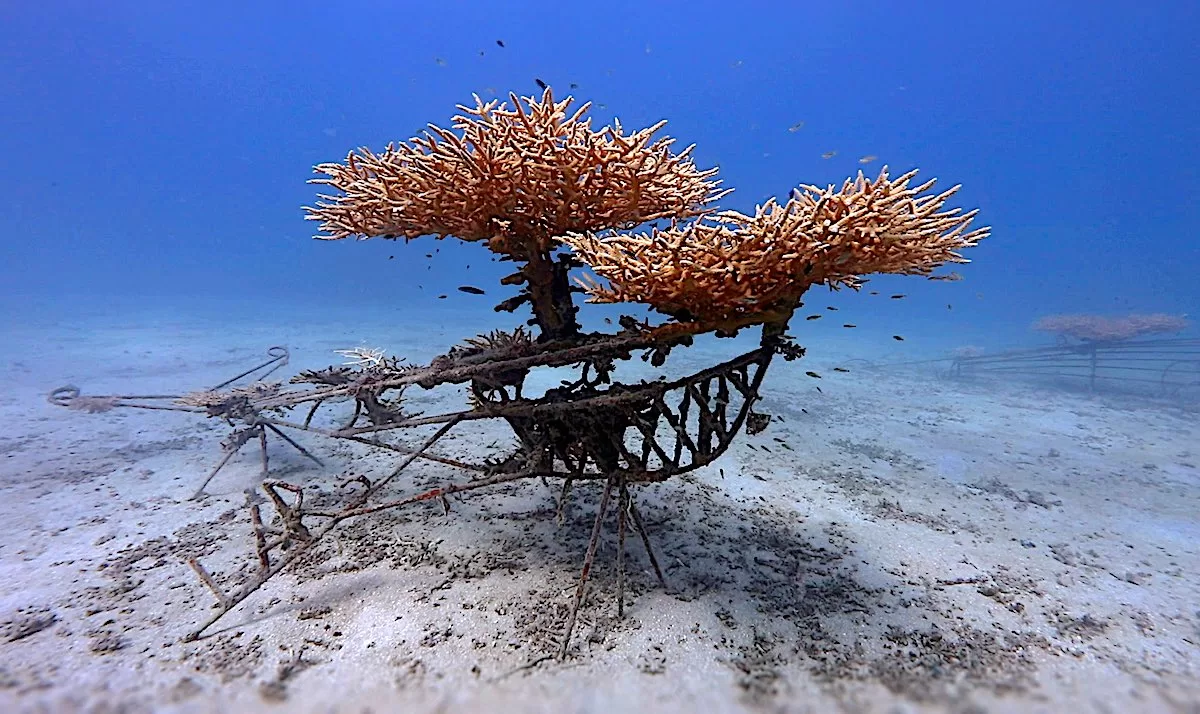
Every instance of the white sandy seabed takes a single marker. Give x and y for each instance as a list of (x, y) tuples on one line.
[(918, 545)]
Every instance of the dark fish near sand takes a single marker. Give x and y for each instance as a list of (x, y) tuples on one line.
[(814, 375)]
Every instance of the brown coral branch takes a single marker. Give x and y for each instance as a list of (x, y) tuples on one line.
[(732, 264), (514, 177)]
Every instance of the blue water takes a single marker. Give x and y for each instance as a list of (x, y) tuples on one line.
[(159, 151)]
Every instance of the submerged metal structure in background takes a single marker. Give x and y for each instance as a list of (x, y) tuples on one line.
[(1168, 367)]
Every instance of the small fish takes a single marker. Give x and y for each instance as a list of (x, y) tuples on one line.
[(442, 297), (874, 292), (831, 308), (829, 155), (819, 390), (574, 85), (849, 325), (500, 42), (814, 375), (429, 255), (768, 451), (803, 410), (751, 446), (867, 159), (813, 317), (391, 257), (897, 338), (840, 369), (722, 472), (608, 320), (949, 306), (786, 446), (470, 289), (898, 296), (795, 127), (540, 83)]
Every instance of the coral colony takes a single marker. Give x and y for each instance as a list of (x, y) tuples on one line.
[(539, 187)]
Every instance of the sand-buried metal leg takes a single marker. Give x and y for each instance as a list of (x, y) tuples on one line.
[(587, 566), (622, 516), (641, 528), (296, 446)]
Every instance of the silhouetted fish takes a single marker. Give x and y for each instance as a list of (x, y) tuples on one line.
[(500, 42), (898, 338), (470, 289), (540, 83)]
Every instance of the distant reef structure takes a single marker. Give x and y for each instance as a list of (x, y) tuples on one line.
[(1101, 328)]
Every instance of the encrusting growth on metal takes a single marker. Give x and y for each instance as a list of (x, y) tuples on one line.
[(538, 186)]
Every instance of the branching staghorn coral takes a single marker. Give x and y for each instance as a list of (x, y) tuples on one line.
[(515, 178), (734, 264)]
